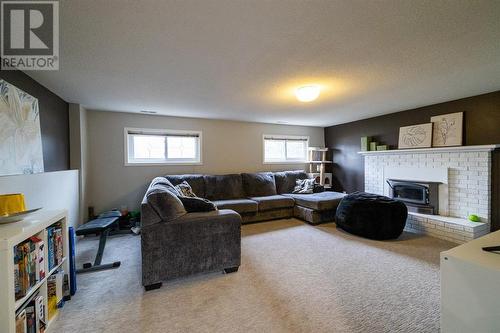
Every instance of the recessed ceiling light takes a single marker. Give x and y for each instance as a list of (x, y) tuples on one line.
[(148, 112), (307, 93)]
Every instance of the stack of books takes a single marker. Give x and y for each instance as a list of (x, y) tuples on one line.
[(31, 318), (55, 245), (28, 265), (55, 292)]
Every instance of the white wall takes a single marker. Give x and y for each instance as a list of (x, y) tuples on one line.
[(228, 147), (50, 190)]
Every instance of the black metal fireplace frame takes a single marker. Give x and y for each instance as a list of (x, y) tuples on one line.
[(428, 204)]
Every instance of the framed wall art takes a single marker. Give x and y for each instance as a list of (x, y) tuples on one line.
[(415, 136), (20, 135), (447, 129)]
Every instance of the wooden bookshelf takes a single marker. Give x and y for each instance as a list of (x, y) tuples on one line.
[(13, 234)]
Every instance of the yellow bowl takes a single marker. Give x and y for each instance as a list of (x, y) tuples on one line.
[(11, 203)]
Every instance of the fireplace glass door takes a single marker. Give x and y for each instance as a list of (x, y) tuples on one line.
[(414, 193)]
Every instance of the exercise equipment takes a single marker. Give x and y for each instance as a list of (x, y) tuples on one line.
[(100, 226)]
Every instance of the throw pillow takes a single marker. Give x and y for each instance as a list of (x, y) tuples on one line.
[(195, 204), (185, 190), (304, 186)]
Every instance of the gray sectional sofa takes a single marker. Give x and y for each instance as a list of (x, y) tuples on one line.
[(263, 196), (178, 243)]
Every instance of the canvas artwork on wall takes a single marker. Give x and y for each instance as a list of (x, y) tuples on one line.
[(447, 129), (20, 136), (415, 136)]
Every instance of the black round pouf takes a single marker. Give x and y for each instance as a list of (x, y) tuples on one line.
[(371, 216)]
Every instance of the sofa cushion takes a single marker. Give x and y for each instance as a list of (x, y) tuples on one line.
[(195, 204), (258, 184), (318, 201), (223, 187), (286, 180), (162, 198), (197, 182), (273, 202), (238, 205)]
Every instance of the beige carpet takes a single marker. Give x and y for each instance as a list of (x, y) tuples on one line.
[(293, 278)]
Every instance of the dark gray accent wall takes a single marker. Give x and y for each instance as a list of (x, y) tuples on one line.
[(54, 120), (481, 126)]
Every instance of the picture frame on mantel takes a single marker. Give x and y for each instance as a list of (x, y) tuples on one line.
[(448, 129), (415, 136)]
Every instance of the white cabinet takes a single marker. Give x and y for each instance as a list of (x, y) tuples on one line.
[(470, 287), (11, 235)]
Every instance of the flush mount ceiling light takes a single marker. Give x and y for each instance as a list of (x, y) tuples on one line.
[(307, 93)]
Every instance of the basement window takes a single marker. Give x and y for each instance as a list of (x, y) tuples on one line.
[(158, 146), (285, 149)]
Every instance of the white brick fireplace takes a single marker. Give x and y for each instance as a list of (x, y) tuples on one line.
[(465, 177)]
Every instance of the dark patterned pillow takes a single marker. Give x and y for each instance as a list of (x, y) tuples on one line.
[(185, 190), (304, 186), (195, 204)]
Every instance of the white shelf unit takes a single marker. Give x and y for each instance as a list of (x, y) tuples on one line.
[(11, 235), (317, 167)]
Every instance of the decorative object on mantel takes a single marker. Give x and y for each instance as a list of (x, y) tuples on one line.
[(20, 136), (415, 136), (368, 145), (317, 162), (365, 143), (447, 129)]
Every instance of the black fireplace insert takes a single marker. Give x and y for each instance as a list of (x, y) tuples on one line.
[(419, 197)]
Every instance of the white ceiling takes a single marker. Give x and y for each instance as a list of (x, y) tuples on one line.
[(240, 59)]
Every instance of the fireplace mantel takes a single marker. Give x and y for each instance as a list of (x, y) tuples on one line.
[(433, 150)]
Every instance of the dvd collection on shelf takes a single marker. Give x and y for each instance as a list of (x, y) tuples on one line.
[(30, 270), (31, 318), (55, 245), (29, 265)]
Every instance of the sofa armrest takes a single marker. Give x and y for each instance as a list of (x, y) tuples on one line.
[(192, 243), (215, 216), (148, 215)]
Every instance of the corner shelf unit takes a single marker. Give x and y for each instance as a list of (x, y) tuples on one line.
[(13, 234), (317, 166)]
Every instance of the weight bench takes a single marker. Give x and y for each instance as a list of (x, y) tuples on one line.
[(102, 227)]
